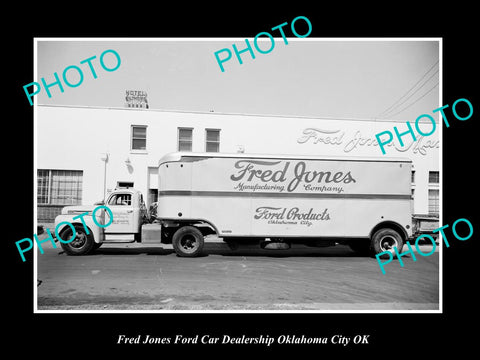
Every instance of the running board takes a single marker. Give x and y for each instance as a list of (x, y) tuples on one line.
[(119, 238)]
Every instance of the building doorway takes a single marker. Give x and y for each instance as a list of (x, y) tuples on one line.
[(152, 186)]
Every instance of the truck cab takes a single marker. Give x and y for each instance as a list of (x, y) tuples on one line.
[(128, 211)]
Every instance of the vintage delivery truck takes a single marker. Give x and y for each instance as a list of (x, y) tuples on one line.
[(271, 200)]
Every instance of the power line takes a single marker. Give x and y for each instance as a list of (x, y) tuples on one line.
[(421, 97), (403, 102), (398, 102)]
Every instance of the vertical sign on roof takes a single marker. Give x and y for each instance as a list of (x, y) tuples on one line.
[(136, 99)]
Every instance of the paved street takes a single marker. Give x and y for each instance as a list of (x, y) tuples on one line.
[(151, 277)]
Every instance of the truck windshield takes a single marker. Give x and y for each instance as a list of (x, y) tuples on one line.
[(120, 199)]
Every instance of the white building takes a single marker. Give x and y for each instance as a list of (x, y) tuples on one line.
[(82, 152)]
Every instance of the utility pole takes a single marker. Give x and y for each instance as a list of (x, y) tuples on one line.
[(105, 160)]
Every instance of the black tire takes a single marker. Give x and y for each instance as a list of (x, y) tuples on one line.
[(188, 241), (384, 240), (81, 245), (361, 247)]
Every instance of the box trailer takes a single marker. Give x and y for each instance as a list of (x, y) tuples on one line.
[(279, 200), (271, 200)]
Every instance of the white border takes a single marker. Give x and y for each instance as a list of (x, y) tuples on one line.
[(35, 255)]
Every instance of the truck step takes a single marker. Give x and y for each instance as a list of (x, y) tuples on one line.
[(119, 238)]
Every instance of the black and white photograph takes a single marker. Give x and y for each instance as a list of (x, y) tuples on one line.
[(241, 181), (259, 187)]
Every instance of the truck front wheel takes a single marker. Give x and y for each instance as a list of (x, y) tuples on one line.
[(385, 240), (188, 241), (80, 245)]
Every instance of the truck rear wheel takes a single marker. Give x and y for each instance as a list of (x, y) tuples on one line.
[(188, 241), (82, 243), (385, 240)]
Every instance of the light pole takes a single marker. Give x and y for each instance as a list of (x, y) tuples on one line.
[(105, 160)]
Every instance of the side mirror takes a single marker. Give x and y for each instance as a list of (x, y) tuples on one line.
[(101, 202)]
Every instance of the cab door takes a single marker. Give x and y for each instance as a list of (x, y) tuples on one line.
[(121, 205)]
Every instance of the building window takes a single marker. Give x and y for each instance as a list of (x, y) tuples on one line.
[(185, 136), (124, 184), (433, 202), (59, 187), (212, 143), (139, 138), (413, 176), (433, 177), (43, 181)]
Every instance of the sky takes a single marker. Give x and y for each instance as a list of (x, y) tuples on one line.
[(312, 77)]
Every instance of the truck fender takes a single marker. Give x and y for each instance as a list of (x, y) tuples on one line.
[(97, 232), (390, 225)]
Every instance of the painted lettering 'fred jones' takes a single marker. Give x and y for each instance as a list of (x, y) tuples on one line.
[(69, 73), (356, 141), (249, 170)]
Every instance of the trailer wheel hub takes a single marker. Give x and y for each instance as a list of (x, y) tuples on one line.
[(387, 243)]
